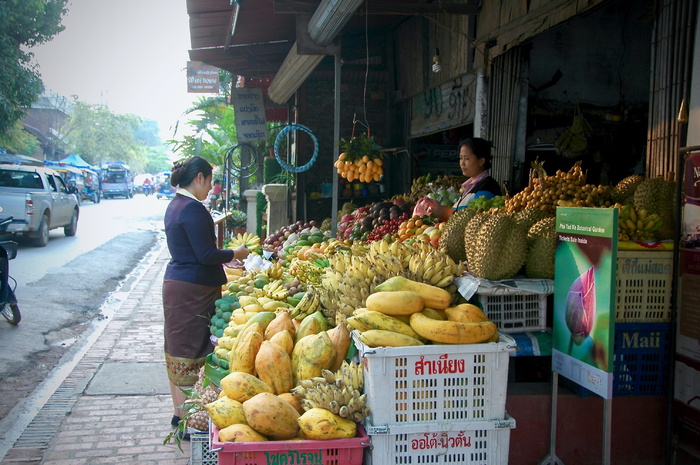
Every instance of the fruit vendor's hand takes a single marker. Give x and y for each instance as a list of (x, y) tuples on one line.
[(432, 207), (241, 252)]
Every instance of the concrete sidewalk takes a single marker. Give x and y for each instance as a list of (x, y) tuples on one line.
[(112, 403)]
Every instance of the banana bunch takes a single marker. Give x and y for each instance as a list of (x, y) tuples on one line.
[(340, 392), (307, 271), (276, 271), (396, 249), (347, 281), (251, 241), (636, 225), (434, 267), (308, 304), (274, 290)]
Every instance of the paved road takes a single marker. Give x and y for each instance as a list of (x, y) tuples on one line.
[(65, 287)]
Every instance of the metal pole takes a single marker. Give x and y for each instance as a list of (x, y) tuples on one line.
[(552, 458), (607, 430), (336, 148)]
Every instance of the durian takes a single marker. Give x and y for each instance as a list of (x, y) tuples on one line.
[(656, 195), (529, 216), (498, 249), (542, 243), (452, 237), (623, 192)]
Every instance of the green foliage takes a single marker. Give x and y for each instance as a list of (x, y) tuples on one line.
[(17, 140), (23, 23), (272, 170), (261, 207), (99, 135), (238, 219)]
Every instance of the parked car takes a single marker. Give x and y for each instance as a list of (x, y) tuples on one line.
[(38, 200)]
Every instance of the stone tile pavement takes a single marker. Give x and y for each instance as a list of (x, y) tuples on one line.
[(124, 418)]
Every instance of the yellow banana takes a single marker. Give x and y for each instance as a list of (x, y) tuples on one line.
[(382, 338), (452, 332), (378, 320)]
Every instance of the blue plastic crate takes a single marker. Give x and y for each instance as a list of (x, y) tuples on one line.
[(641, 361)]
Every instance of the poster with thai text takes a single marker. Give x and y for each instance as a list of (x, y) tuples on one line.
[(249, 108), (584, 297)]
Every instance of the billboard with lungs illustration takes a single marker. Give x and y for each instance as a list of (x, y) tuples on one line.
[(583, 325)]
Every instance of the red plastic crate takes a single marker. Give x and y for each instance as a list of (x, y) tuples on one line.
[(330, 452)]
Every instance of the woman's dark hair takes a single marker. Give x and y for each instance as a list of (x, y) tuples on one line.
[(183, 173), (480, 147)]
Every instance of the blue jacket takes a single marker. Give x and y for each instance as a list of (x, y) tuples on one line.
[(195, 258)]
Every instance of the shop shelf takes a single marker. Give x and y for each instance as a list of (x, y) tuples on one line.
[(329, 452), (644, 286), (515, 311), (436, 383), (641, 361), (459, 443)]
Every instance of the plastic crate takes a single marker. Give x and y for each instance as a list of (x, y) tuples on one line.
[(200, 452), (644, 286), (641, 361), (329, 452), (436, 383), (515, 312), (462, 443)]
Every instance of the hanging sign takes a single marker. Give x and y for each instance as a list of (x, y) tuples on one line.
[(249, 108), (202, 78), (448, 106), (584, 297)]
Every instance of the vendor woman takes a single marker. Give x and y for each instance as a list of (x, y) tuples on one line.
[(475, 161)]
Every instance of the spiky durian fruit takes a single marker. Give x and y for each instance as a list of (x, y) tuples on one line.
[(656, 195), (471, 231), (452, 237), (529, 216), (498, 248), (542, 243), (623, 192)]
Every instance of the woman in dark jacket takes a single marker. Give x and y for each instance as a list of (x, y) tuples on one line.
[(193, 277), (475, 161)]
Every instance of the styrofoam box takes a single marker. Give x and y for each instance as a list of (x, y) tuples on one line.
[(328, 452), (515, 312), (458, 443), (436, 383), (644, 286)]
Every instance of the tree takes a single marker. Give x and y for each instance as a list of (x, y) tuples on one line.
[(17, 140), (99, 135), (23, 23)]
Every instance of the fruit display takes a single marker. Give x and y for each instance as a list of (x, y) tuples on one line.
[(358, 224), (423, 228), (401, 318), (360, 159), (288, 235), (422, 186)]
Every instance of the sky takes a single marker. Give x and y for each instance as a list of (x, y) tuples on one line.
[(130, 55)]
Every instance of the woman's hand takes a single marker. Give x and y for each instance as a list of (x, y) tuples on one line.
[(241, 252)]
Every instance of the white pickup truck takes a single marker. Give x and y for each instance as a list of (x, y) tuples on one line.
[(38, 201)]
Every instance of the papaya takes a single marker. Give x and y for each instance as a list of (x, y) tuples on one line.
[(293, 400), (395, 302), (311, 324), (340, 337), (225, 412), (243, 357), (320, 424), (271, 416), (284, 340), (282, 321), (274, 366), (433, 296), (311, 355), (240, 433), (242, 386), (466, 313)]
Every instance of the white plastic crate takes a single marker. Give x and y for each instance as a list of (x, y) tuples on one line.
[(436, 383), (462, 443), (515, 311), (644, 286), (200, 450)]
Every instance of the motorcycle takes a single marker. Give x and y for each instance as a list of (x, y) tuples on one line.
[(8, 301), (147, 189)]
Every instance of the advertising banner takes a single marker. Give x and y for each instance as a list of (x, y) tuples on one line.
[(687, 366), (249, 108), (583, 329), (202, 78)]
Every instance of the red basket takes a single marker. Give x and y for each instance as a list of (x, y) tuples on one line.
[(330, 452)]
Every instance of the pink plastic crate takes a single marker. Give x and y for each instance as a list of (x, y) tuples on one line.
[(331, 452)]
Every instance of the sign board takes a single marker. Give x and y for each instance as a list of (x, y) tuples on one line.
[(584, 297), (249, 108), (202, 78), (448, 106), (687, 365)]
